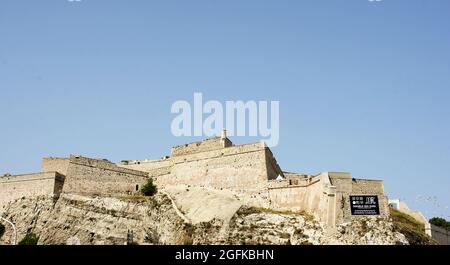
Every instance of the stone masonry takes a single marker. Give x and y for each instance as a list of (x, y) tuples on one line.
[(249, 169)]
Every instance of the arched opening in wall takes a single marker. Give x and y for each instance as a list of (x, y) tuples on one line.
[(137, 187)]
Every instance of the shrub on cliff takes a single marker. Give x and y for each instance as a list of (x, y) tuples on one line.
[(149, 189), (413, 230), (441, 222), (29, 239), (2, 230)]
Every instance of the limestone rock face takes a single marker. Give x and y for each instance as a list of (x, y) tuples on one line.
[(172, 217), (368, 231), (96, 220), (253, 226)]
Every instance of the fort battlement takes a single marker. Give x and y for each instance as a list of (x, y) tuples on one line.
[(292, 181), (30, 185), (95, 176), (104, 165), (74, 174), (326, 196), (248, 169), (238, 167), (252, 169), (61, 165), (201, 146)]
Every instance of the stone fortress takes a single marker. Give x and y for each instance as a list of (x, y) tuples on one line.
[(249, 170)]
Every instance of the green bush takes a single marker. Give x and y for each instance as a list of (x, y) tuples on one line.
[(29, 239), (149, 189), (2, 230), (441, 222)]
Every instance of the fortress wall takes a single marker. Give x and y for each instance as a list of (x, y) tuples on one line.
[(343, 191), (296, 178), (52, 164), (97, 177), (291, 181), (294, 175), (239, 168), (154, 168), (278, 183), (163, 167), (309, 197), (367, 186), (372, 187), (402, 207), (218, 153), (316, 200), (235, 167), (159, 171), (201, 146), (288, 197), (326, 196), (441, 235), (30, 185), (346, 186), (103, 164)]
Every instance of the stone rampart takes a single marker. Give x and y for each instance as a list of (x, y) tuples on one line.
[(201, 146), (241, 167), (30, 185), (309, 196), (347, 186), (236, 168), (441, 235), (56, 164), (154, 168), (99, 177)]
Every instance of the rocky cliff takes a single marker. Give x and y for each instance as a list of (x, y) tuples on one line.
[(179, 216)]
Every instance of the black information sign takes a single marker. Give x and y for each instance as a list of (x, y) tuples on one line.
[(364, 205)]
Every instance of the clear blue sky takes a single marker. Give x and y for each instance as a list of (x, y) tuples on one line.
[(363, 86)]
